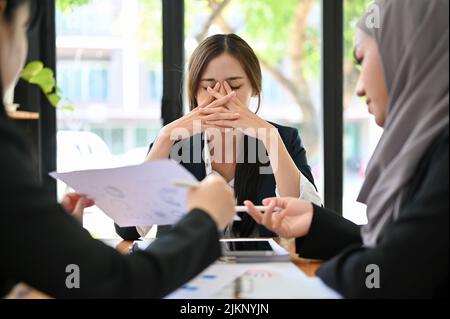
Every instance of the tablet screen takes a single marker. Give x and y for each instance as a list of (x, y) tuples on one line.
[(236, 245)]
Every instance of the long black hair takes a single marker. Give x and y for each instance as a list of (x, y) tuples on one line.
[(11, 8), (246, 185)]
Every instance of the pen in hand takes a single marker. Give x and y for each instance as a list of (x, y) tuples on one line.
[(240, 208)]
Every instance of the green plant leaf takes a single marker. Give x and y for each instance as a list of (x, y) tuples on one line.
[(35, 73), (45, 80), (53, 99), (67, 5), (70, 108), (31, 70)]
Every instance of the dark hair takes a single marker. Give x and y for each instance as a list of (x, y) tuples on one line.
[(247, 175), (215, 46), (246, 183), (11, 8)]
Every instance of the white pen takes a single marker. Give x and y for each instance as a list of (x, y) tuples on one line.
[(260, 208), (241, 208), (186, 184)]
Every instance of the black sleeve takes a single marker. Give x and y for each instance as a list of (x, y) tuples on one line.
[(298, 155), (328, 235), (38, 240), (127, 233), (412, 254)]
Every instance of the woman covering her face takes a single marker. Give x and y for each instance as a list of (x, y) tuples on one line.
[(257, 158)]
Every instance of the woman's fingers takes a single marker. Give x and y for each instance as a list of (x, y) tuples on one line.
[(214, 110), (253, 212), (280, 202), (206, 102), (266, 201), (271, 218), (267, 218), (237, 103), (222, 101), (227, 87), (214, 93), (71, 199), (228, 106), (210, 98), (67, 204), (220, 116), (278, 218), (79, 209)]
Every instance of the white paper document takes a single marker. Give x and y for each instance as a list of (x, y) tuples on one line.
[(140, 195), (210, 282), (254, 281), (277, 281)]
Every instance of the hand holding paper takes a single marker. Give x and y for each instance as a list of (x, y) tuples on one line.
[(146, 194), (138, 195)]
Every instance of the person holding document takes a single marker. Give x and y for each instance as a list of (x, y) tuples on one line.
[(403, 251), (223, 135), (40, 242)]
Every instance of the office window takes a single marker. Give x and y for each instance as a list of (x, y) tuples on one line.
[(155, 85), (361, 134), (85, 19), (117, 140), (70, 81), (86, 81), (100, 132), (98, 85), (105, 51), (141, 136), (286, 38)]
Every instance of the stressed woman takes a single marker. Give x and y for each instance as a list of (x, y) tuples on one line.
[(222, 135)]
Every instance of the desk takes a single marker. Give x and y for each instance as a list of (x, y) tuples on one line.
[(309, 267), (23, 115)]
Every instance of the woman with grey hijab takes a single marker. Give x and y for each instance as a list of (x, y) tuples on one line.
[(403, 249)]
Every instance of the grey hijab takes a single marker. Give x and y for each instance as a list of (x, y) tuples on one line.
[(413, 44)]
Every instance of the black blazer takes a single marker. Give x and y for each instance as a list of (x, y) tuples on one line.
[(38, 240), (266, 187), (411, 253)]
